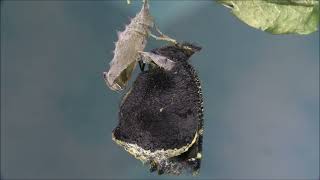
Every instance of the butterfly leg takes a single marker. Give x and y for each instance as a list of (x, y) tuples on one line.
[(141, 65)]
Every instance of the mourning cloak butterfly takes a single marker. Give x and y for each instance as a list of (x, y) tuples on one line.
[(161, 117)]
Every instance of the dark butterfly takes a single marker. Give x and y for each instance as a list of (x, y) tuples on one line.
[(161, 117)]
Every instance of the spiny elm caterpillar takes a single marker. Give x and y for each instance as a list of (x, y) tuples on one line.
[(161, 117)]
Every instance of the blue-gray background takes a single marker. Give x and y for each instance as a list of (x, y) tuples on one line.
[(261, 91)]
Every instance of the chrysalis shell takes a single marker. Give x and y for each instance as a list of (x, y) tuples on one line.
[(130, 41)]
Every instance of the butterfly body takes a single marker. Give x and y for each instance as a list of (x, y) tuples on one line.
[(160, 118)]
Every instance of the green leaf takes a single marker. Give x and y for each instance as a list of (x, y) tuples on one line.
[(277, 16)]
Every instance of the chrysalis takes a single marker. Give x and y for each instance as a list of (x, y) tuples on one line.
[(161, 117), (130, 41)]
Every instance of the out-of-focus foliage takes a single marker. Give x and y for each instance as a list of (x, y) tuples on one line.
[(277, 16)]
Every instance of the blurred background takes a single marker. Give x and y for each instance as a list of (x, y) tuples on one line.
[(261, 92)]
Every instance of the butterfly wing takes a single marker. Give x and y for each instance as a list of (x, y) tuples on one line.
[(160, 119)]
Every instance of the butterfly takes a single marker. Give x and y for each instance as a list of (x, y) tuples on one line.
[(161, 116)]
